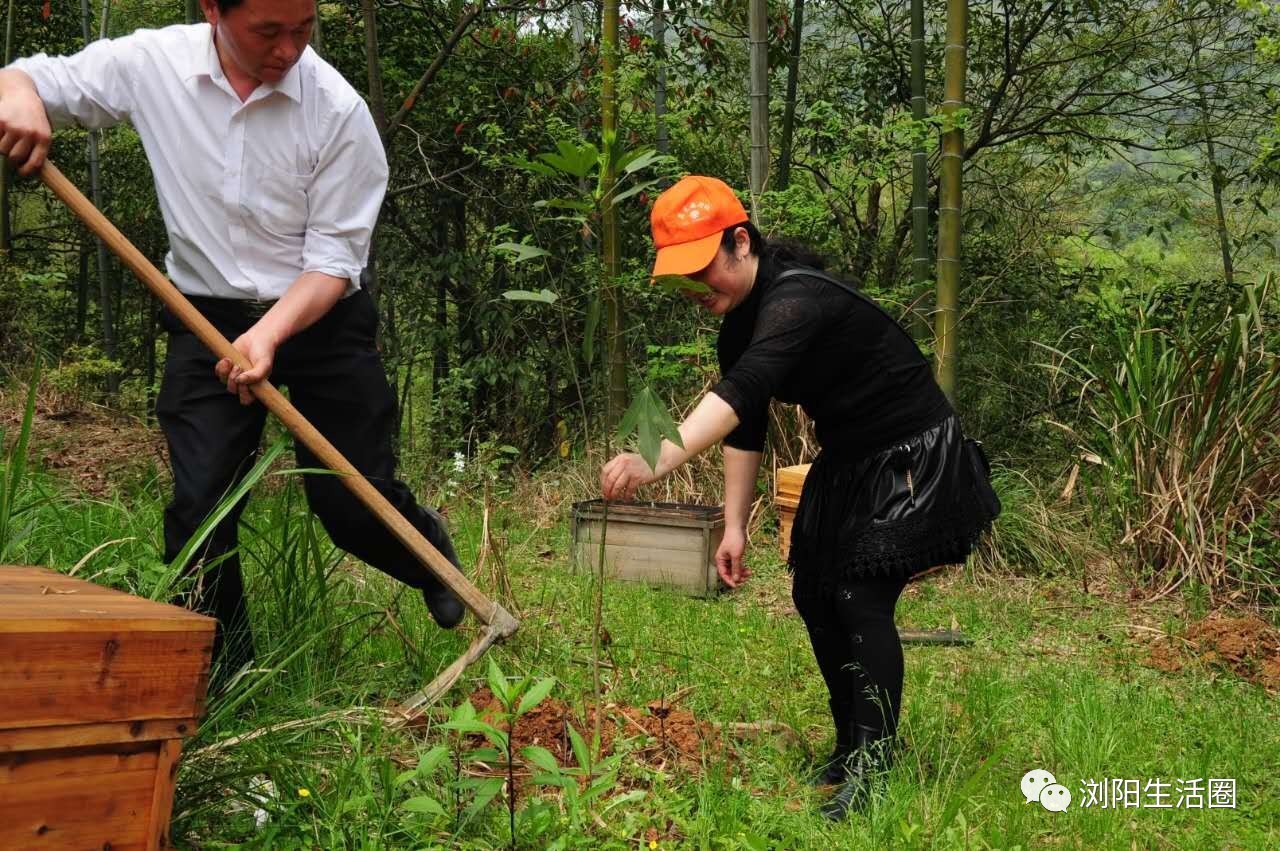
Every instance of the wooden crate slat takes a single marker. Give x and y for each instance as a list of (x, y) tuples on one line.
[(79, 810), (50, 679), (638, 535), (81, 735), (682, 570)]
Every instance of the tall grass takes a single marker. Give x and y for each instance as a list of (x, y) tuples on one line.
[(1184, 421), (12, 475)]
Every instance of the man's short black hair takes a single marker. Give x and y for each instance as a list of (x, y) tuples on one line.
[(224, 5)]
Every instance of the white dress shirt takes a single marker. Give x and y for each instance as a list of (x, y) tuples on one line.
[(253, 193)]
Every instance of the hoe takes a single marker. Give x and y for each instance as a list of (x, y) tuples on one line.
[(498, 622)]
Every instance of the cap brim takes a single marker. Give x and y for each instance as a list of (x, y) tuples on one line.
[(687, 257)]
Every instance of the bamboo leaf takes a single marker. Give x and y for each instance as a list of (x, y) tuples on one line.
[(640, 158), (544, 295), (536, 168), (679, 283), (589, 330), (619, 197), (521, 251), (564, 204)]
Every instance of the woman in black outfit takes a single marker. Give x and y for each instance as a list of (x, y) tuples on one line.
[(894, 491)]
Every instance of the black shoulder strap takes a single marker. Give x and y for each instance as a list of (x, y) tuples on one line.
[(823, 276)]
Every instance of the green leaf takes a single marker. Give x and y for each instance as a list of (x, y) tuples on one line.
[(536, 168), (498, 683), (489, 731), (544, 295), (463, 712), (619, 197), (580, 751), (679, 283), (430, 761), (521, 251), (485, 793), (640, 158), (542, 758), (589, 330), (536, 695), (423, 804), (565, 204), (651, 422), (575, 160), (564, 781)]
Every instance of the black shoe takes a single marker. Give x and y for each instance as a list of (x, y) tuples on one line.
[(445, 607), (834, 768), (869, 761)]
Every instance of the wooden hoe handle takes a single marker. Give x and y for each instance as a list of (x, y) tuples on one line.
[(488, 611)]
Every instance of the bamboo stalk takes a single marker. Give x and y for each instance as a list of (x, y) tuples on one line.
[(950, 200)]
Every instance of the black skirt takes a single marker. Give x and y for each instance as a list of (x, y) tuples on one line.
[(894, 512)]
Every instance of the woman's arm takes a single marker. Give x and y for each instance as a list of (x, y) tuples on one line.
[(740, 470), (710, 421)]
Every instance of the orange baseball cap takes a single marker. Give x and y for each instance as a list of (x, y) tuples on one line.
[(688, 221)]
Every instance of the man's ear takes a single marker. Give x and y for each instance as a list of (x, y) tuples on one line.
[(210, 9), (741, 243)]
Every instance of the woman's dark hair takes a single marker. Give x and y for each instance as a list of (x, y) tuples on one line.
[(784, 250)]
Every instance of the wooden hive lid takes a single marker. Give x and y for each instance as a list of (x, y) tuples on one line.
[(36, 599)]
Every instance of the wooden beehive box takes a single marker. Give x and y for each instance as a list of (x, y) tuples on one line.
[(788, 483), (97, 690), (665, 544)]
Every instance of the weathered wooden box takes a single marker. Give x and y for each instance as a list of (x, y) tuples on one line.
[(667, 544), (97, 690), (788, 483)]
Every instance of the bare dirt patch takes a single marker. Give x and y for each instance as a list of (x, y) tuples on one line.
[(101, 451), (662, 736), (1242, 644)]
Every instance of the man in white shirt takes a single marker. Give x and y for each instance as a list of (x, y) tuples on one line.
[(270, 174)]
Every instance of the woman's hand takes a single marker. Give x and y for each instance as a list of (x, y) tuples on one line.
[(623, 476), (729, 558)]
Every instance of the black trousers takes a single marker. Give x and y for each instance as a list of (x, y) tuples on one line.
[(855, 640), (335, 379)]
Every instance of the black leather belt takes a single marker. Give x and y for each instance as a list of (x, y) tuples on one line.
[(256, 308), (249, 308)]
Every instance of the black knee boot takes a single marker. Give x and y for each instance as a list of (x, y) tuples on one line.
[(833, 769), (870, 759)]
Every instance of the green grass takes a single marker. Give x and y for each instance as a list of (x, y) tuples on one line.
[(1053, 681)]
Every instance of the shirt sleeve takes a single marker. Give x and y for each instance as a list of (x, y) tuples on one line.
[(93, 88), (344, 198), (788, 323)]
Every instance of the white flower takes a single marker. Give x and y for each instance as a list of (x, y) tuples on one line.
[(459, 462)]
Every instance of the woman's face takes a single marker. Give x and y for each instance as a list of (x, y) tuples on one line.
[(730, 276)]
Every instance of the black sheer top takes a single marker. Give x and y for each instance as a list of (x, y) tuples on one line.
[(848, 365)]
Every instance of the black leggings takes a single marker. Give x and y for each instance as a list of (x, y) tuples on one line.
[(856, 643)]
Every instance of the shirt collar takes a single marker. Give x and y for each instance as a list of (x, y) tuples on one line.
[(210, 66)]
